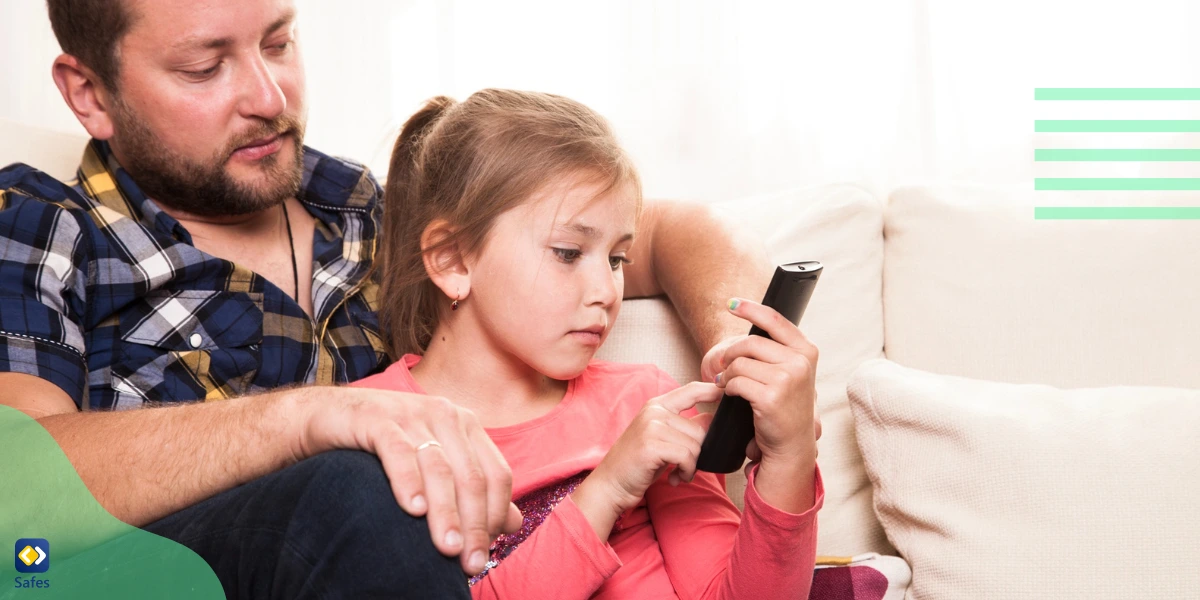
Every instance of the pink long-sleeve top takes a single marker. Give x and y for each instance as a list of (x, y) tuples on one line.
[(686, 542)]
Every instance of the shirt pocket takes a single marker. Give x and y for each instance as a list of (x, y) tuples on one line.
[(188, 345)]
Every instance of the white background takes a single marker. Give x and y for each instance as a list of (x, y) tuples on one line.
[(717, 99)]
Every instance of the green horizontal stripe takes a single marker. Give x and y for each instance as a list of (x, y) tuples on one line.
[(1103, 126), (1116, 212), (1116, 155), (1116, 94), (1116, 183)]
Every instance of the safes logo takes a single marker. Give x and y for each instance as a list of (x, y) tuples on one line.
[(33, 555)]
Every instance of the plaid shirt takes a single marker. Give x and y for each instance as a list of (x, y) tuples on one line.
[(104, 295)]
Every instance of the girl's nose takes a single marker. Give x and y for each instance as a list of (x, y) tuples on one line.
[(603, 287)]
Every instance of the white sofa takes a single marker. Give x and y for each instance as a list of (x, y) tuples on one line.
[(991, 490), (961, 280)]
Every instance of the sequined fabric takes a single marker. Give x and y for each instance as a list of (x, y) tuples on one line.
[(535, 507)]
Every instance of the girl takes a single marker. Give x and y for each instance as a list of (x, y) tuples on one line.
[(508, 220)]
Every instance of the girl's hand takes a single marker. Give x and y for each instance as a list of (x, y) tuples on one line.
[(714, 360), (777, 376), (657, 439)]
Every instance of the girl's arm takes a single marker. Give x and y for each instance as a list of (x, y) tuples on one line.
[(568, 555), (562, 559), (711, 552)]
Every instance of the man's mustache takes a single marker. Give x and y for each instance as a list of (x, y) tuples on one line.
[(282, 125)]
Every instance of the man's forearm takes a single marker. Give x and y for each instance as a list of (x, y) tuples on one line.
[(700, 262), (144, 464)]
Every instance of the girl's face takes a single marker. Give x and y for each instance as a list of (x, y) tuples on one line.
[(546, 287)]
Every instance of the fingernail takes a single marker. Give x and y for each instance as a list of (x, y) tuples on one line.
[(418, 503), (734, 303), (717, 379), (478, 560), (453, 538)]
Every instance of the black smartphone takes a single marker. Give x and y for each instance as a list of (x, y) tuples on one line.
[(724, 447)]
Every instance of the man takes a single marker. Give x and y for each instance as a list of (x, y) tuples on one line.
[(205, 254)]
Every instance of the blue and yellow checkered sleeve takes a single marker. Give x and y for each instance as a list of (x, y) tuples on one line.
[(43, 280)]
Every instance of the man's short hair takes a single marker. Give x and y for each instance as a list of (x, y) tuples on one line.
[(89, 30)]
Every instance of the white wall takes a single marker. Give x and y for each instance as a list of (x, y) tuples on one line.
[(716, 99)]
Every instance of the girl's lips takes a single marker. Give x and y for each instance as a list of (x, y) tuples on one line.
[(589, 338), (258, 150)]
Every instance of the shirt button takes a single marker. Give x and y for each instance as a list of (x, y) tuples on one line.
[(195, 340)]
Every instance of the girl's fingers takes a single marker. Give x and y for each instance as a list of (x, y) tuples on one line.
[(769, 320), (703, 420), (777, 327), (688, 396), (686, 426), (764, 373), (752, 391), (752, 451), (674, 447), (759, 348)]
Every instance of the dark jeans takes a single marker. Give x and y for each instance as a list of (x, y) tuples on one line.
[(328, 527)]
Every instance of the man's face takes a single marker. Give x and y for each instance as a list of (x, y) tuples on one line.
[(209, 113)]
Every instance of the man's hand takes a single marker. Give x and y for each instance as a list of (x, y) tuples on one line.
[(437, 456)]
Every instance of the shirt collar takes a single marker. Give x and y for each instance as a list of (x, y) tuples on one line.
[(342, 196)]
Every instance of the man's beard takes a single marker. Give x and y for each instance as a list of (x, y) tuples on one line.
[(206, 189)]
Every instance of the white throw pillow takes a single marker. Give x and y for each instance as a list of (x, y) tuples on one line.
[(840, 225), (994, 490)]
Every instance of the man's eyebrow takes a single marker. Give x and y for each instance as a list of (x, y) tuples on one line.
[(283, 21), (225, 42), (204, 44)]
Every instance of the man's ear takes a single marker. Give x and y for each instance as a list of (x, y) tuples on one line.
[(444, 262), (85, 95)]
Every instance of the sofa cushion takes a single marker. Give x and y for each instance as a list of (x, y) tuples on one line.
[(841, 226), (975, 286), (996, 490)]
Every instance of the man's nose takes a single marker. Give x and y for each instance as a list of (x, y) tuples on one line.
[(261, 95)]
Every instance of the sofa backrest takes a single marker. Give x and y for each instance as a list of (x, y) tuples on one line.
[(51, 151), (975, 286)]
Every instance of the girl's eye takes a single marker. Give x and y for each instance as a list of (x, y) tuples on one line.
[(567, 255), (616, 261)]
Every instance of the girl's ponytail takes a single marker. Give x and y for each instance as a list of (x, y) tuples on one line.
[(405, 295), (404, 173)]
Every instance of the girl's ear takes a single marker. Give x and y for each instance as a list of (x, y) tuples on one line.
[(444, 262)]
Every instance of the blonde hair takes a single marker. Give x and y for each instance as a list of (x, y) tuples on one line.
[(468, 163)]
